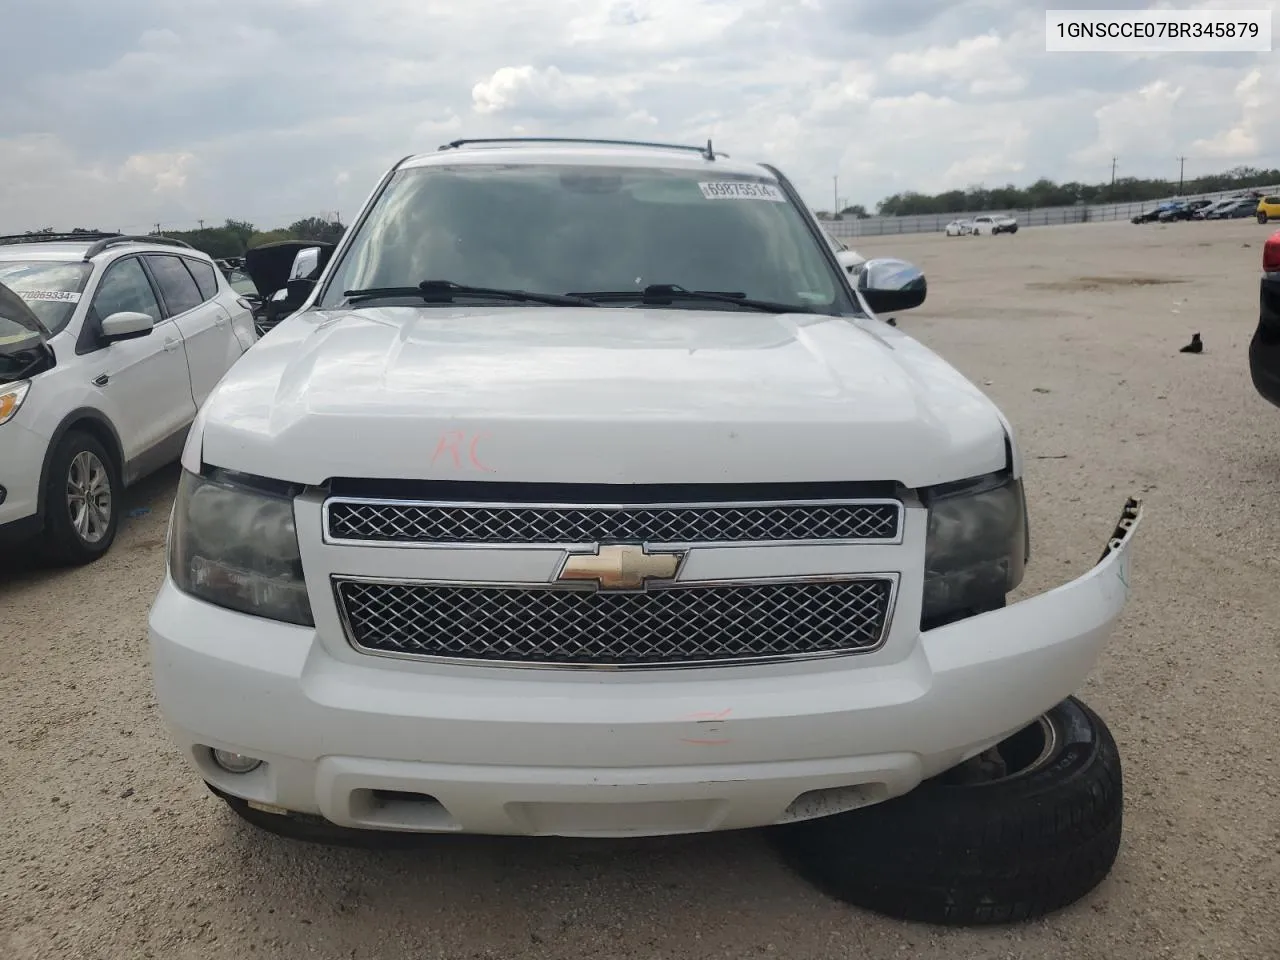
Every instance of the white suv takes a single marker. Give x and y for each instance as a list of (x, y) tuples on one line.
[(586, 494), (108, 345)]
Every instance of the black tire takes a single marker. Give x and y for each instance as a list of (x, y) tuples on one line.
[(984, 853), (310, 828), (62, 543), (1262, 217)]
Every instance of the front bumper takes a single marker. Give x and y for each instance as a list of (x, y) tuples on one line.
[(21, 461), (369, 743)]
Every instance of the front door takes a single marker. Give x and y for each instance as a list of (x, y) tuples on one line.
[(144, 384)]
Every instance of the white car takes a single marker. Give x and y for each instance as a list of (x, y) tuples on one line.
[(849, 258), (959, 228), (108, 345), (621, 513), (987, 226)]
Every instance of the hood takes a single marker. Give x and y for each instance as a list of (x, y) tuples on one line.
[(553, 395), (268, 265)]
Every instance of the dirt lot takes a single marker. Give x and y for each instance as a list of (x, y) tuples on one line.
[(110, 848)]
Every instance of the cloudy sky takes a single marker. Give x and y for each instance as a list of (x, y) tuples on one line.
[(126, 113)]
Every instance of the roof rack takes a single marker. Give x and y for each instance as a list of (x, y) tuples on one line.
[(97, 240), (706, 151), (114, 239), (55, 237)]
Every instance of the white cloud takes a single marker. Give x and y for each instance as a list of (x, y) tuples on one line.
[(1257, 106), (532, 92), (1141, 122), (208, 109), (164, 171)]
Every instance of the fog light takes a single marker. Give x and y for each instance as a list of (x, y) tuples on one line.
[(235, 762)]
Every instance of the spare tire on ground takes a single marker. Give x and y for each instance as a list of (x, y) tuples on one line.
[(1027, 828)]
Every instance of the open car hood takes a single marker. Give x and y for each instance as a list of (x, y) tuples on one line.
[(268, 265), (22, 348), (14, 308)]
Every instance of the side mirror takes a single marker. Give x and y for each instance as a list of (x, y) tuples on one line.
[(302, 278), (126, 325), (304, 264), (889, 285)]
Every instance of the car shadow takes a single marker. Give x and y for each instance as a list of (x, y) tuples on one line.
[(554, 892)]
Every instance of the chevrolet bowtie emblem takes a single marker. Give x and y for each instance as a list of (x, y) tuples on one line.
[(621, 566)]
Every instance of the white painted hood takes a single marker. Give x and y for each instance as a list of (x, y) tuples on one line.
[(608, 395)]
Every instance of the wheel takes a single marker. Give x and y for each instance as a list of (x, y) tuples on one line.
[(310, 828), (82, 508), (1026, 828), (1262, 217), (1014, 228)]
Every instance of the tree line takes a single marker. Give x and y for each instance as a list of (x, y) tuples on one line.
[(1047, 193), (234, 237)]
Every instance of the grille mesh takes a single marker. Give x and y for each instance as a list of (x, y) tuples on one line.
[(583, 627), (427, 523)]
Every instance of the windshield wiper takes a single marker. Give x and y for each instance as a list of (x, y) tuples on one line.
[(444, 291), (665, 293)]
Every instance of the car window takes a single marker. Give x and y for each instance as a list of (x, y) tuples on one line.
[(125, 287), (50, 288), (242, 283), (176, 286), (563, 228), (205, 276)]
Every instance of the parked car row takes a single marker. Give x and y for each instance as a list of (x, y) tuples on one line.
[(988, 225), (1261, 207)]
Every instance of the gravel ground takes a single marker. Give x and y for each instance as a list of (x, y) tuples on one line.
[(110, 848)]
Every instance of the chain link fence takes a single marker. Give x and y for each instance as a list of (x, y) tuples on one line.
[(850, 228)]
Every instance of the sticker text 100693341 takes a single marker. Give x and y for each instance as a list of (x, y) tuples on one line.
[(741, 190)]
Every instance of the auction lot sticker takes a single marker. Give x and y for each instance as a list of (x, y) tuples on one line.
[(57, 296), (741, 190)]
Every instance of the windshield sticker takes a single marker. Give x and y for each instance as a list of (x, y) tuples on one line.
[(56, 296), (741, 190)]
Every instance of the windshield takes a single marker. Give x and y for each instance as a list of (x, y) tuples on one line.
[(50, 288), (554, 229)]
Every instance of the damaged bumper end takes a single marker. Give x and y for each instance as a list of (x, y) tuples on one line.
[(1037, 651)]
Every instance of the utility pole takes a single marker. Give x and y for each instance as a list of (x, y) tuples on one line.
[(835, 199), (1113, 172), (1182, 165), (201, 224)]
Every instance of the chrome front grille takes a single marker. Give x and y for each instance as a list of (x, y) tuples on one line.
[(674, 625), (374, 521)]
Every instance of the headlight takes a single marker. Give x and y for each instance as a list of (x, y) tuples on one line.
[(976, 551), (11, 397), (236, 546)]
